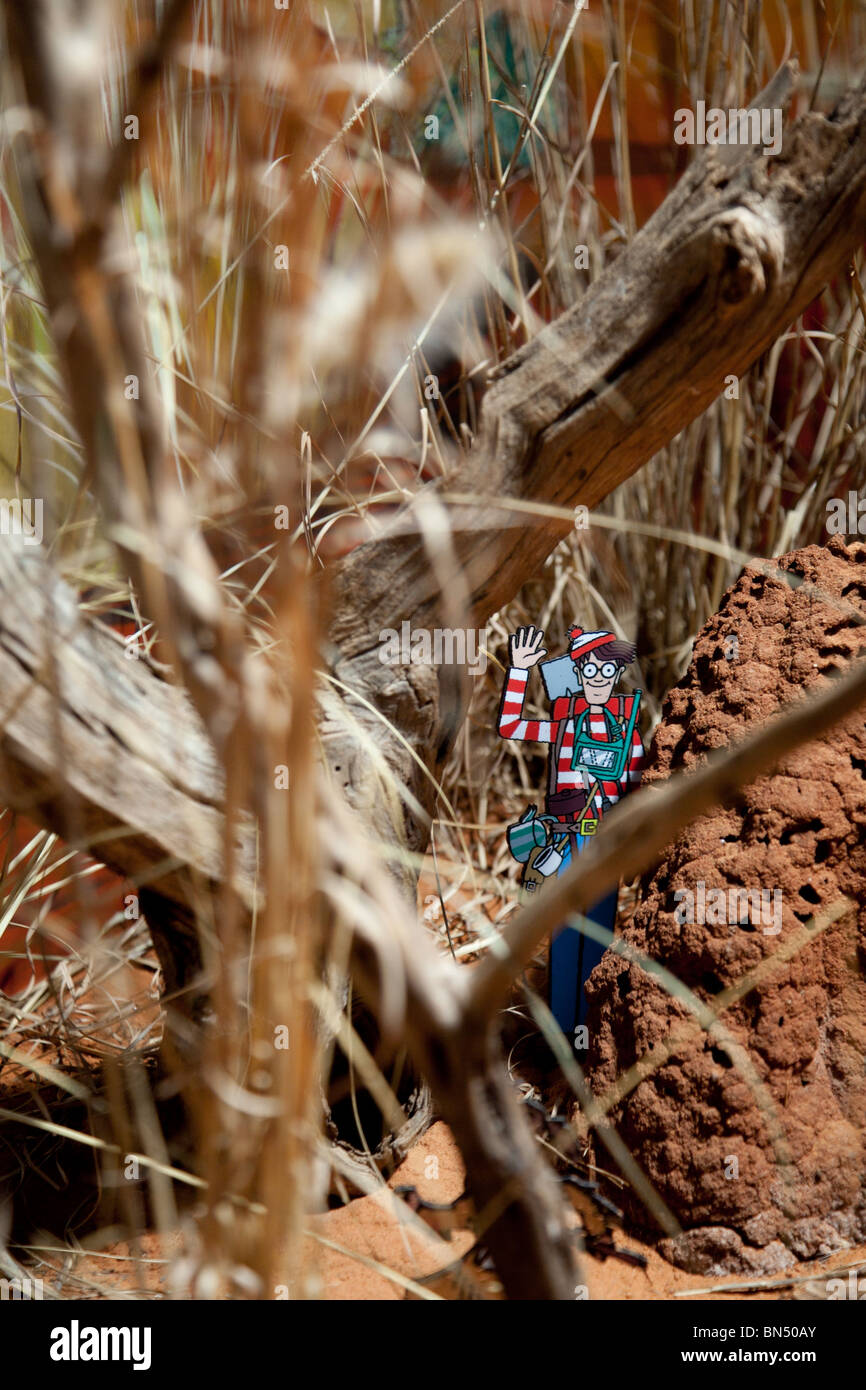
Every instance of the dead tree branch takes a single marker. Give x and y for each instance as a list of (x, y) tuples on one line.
[(735, 253), (156, 812), (634, 835), (738, 249), (68, 171)]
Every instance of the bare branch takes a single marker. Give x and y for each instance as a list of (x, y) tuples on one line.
[(634, 834), (739, 248)]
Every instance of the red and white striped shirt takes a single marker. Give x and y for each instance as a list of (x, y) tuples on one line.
[(513, 725)]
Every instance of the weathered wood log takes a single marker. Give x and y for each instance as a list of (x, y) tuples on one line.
[(101, 749), (98, 748)]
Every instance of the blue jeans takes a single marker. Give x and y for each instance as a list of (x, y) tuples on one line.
[(573, 956)]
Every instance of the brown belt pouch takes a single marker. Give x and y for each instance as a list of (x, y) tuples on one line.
[(566, 803)]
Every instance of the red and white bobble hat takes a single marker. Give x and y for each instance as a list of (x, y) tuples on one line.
[(582, 643)]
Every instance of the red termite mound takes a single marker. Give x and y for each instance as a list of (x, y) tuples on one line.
[(761, 1159)]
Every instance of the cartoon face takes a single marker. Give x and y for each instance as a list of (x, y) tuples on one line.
[(598, 679)]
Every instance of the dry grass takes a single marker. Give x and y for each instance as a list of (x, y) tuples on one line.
[(306, 260)]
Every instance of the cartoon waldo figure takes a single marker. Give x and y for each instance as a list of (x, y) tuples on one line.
[(596, 756)]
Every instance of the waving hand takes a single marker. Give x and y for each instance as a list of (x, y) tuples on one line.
[(525, 647)]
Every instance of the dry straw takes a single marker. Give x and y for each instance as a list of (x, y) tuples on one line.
[(306, 262)]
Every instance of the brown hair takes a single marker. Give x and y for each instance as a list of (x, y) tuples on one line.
[(621, 652)]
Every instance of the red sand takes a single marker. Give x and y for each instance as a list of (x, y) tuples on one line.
[(369, 1233)]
